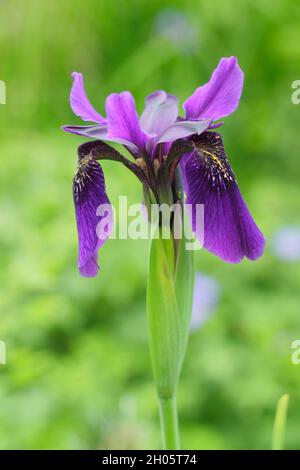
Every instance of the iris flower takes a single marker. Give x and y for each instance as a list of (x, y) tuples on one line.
[(160, 141)]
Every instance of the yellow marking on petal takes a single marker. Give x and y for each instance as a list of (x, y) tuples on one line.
[(218, 163)]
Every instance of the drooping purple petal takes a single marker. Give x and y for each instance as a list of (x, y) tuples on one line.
[(183, 128), (220, 96), (160, 112), (229, 229), (123, 121), (80, 103), (90, 196)]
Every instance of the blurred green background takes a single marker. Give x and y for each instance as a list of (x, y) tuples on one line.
[(78, 371)]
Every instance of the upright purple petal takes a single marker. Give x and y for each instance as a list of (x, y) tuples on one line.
[(90, 195), (160, 112), (80, 103), (220, 96), (229, 229), (123, 121)]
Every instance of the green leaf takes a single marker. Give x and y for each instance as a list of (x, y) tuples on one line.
[(280, 422)]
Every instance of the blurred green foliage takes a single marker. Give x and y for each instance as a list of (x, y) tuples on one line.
[(78, 370)]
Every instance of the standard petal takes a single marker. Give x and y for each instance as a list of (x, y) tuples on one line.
[(229, 229), (123, 121), (220, 96), (90, 195), (183, 128), (161, 111), (80, 103)]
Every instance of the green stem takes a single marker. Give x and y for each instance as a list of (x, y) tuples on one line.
[(169, 423)]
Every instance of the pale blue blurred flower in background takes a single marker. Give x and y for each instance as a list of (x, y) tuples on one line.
[(177, 27), (285, 243), (206, 298)]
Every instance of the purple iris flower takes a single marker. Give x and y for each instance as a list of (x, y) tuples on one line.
[(162, 144)]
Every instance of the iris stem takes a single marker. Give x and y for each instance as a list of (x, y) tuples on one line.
[(169, 423)]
